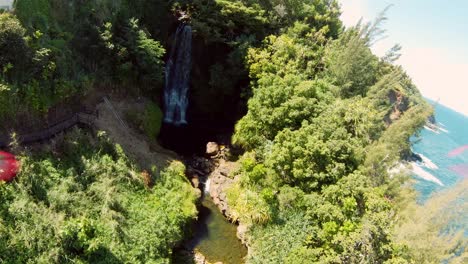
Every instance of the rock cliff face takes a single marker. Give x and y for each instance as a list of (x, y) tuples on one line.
[(399, 105), (220, 179)]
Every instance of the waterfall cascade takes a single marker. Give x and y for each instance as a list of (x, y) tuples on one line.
[(178, 70), (207, 185)]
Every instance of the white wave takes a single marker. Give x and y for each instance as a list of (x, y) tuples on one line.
[(427, 162), (443, 130), (436, 128), (432, 129), (442, 124), (421, 173)]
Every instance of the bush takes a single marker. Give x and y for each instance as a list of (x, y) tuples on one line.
[(152, 120), (13, 48), (91, 205)]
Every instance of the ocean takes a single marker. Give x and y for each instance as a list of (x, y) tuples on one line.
[(444, 152)]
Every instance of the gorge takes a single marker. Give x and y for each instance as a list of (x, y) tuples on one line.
[(214, 236)]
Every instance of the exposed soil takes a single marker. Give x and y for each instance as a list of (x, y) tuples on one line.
[(139, 147)]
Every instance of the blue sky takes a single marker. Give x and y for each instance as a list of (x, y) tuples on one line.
[(434, 37)]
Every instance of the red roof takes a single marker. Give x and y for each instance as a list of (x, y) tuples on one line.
[(9, 166)]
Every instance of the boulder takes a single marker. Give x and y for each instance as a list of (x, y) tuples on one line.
[(199, 165), (195, 181), (212, 148)]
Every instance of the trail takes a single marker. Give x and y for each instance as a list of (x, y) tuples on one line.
[(109, 119), (81, 118)]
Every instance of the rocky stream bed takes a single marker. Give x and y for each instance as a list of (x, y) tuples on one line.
[(215, 239)]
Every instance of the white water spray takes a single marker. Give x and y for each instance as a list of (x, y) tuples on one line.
[(207, 185)]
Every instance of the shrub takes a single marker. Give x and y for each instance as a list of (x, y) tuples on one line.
[(152, 120)]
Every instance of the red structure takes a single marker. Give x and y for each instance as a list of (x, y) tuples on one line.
[(9, 166)]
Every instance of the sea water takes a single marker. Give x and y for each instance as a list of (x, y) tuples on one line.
[(444, 151)]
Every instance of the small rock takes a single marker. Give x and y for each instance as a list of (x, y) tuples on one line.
[(216, 200), (195, 182), (224, 171), (216, 179), (222, 197), (212, 148)]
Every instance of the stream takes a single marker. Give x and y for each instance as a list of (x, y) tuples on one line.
[(212, 237), (215, 236)]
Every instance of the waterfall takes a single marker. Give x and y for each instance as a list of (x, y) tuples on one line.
[(178, 69), (207, 185)]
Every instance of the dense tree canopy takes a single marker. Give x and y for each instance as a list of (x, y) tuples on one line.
[(90, 204), (326, 122), (52, 50)]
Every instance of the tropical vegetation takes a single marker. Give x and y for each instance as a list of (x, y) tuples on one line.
[(321, 122)]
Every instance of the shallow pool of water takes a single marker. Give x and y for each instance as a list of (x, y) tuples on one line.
[(215, 237)]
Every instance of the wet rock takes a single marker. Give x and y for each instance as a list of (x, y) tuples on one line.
[(212, 148), (200, 165)]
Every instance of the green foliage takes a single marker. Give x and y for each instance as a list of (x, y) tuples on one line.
[(152, 120), (34, 13), (59, 52), (273, 243), (222, 20), (283, 95), (13, 48), (298, 51), (6, 101), (249, 206), (351, 64), (37, 74), (326, 122), (433, 232), (136, 57), (318, 14), (148, 119), (91, 205)]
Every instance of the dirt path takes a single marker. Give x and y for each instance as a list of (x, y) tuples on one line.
[(136, 145)]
